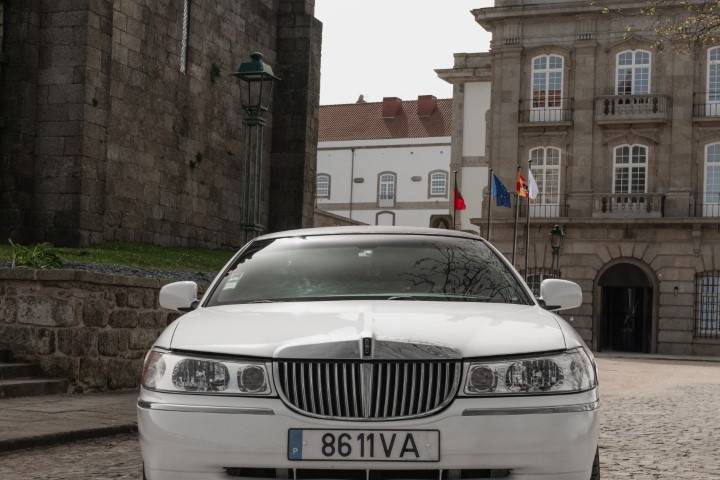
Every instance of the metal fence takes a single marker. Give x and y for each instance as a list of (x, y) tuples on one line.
[(550, 111), (534, 277), (707, 304)]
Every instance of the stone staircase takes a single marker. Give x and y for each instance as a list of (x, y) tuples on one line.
[(20, 379)]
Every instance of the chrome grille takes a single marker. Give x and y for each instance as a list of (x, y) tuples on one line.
[(367, 390)]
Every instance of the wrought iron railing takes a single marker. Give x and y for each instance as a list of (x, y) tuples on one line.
[(632, 107), (706, 105), (628, 205), (545, 208), (558, 110), (707, 304)]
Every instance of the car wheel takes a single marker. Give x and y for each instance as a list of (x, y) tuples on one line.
[(596, 467)]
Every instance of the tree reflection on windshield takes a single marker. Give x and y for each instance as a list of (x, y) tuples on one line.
[(393, 267)]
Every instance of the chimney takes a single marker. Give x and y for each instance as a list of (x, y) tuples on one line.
[(392, 106), (426, 105)]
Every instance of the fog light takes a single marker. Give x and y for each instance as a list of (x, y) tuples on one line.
[(252, 379), (200, 376)]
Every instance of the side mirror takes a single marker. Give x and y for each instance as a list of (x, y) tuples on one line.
[(180, 296), (560, 294)]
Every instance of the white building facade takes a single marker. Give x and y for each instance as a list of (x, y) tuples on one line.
[(389, 163)]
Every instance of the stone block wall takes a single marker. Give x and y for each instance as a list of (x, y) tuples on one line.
[(107, 138), (670, 253), (93, 329)]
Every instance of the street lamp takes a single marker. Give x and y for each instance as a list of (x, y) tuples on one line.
[(556, 240), (257, 81)]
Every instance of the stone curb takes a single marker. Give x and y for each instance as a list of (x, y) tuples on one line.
[(65, 437), (653, 356)]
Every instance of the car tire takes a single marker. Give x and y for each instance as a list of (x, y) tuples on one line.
[(595, 475)]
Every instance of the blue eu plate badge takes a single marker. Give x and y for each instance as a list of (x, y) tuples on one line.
[(295, 444)]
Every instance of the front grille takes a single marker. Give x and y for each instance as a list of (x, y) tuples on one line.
[(377, 390)]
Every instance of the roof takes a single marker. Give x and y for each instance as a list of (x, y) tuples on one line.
[(378, 230), (364, 121)]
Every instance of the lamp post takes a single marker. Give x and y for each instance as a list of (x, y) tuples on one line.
[(257, 81), (556, 240)]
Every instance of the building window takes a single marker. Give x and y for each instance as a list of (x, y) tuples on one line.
[(633, 73), (546, 171), (438, 184), (707, 304), (386, 189), (185, 38), (630, 169), (711, 205), (322, 185), (547, 81), (386, 219), (713, 82)]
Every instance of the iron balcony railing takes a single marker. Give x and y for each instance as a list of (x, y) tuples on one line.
[(706, 105), (550, 111), (546, 206), (618, 108), (710, 207), (631, 205)]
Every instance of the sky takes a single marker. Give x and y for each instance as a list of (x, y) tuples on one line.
[(391, 48)]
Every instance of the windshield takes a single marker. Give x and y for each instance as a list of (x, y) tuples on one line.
[(384, 267)]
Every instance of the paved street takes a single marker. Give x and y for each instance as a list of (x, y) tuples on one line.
[(660, 421)]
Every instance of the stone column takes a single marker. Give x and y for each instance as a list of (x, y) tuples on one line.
[(295, 118)]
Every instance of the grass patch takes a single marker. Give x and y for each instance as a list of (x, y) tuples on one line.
[(140, 255)]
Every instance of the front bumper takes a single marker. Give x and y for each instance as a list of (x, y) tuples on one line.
[(550, 437)]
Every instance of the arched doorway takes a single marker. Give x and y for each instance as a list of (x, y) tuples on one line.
[(626, 309)]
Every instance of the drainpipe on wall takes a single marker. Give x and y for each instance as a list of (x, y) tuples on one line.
[(352, 180)]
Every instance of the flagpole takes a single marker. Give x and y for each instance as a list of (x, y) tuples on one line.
[(454, 214), (491, 185), (527, 233)]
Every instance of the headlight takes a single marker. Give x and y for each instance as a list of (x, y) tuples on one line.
[(169, 372), (567, 372)]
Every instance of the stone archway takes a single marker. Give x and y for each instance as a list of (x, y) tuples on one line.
[(625, 306)]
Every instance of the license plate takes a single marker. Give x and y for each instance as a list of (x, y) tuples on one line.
[(359, 445)]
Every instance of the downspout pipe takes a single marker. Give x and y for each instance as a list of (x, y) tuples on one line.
[(352, 180)]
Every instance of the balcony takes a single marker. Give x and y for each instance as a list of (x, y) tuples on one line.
[(706, 106), (632, 108), (628, 205), (560, 114), (557, 208)]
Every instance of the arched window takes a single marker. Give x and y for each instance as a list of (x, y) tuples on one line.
[(385, 219), (438, 184), (546, 171), (713, 82), (631, 166), (633, 72), (387, 189), (547, 88), (322, 185), (547, 81), (711, 205)]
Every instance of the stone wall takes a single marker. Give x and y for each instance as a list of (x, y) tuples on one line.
[(670, 254), (106, 138), (93, 329)]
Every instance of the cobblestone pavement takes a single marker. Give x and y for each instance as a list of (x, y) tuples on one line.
[(660, 421)]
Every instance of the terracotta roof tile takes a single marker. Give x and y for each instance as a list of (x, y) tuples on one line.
[(364, 121)]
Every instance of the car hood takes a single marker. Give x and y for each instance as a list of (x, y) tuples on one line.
[(335, 329)]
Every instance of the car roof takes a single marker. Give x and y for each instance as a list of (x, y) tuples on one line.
[(365, 230)]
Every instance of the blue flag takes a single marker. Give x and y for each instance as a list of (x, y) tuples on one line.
[(500, 193)]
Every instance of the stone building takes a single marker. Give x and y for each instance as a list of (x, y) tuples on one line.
[(625, 146), (119, 119)]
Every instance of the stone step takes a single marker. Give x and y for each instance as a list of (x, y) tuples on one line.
[(18, 370), (26, 387)]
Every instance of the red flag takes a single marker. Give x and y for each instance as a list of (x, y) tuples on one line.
[(521, 187), (459, 201)]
